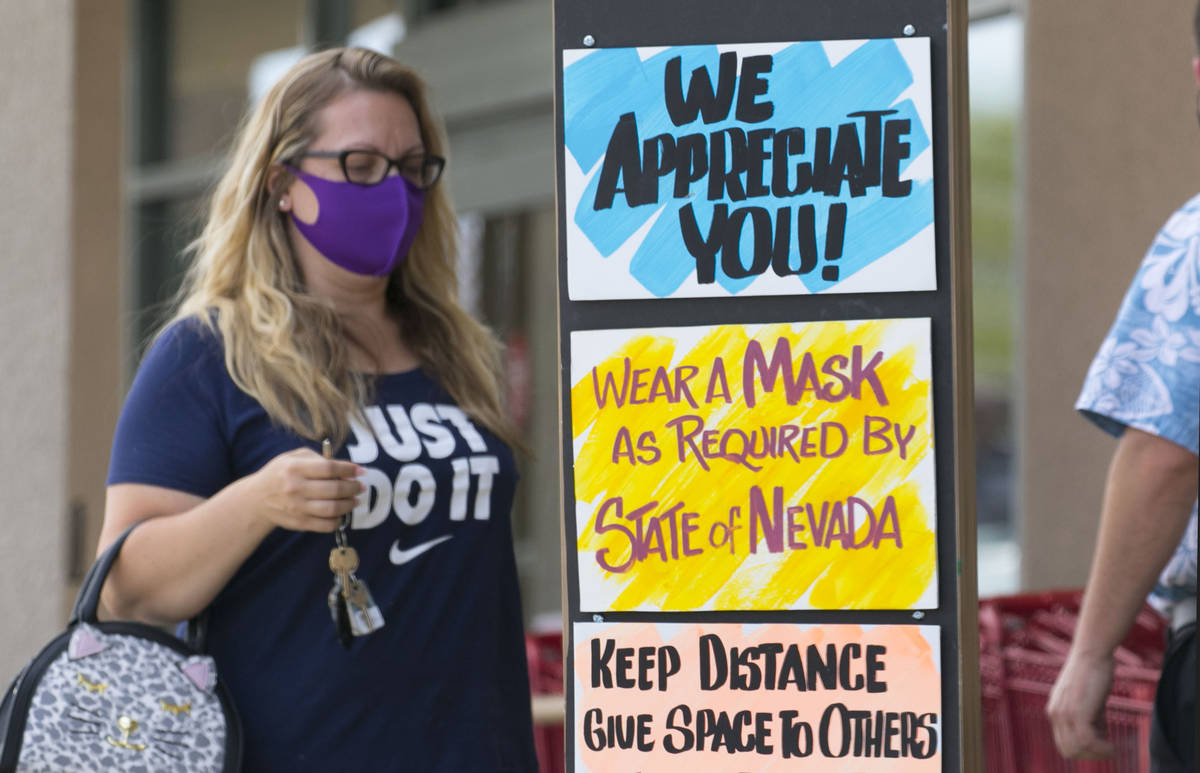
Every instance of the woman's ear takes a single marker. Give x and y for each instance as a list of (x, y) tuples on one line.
[(279, 181)]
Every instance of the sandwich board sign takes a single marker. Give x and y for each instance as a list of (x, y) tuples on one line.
[(762, 305)]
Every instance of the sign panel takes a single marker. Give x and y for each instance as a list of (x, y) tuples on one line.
[(754, 467), (755, 169), (765, 393), (716, 698)]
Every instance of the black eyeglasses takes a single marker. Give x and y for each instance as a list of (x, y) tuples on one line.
[(368, 167)]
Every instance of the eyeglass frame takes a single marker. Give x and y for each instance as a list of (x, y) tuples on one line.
[(342, 155)]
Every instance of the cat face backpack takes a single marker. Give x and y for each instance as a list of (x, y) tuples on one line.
[(117, 697)]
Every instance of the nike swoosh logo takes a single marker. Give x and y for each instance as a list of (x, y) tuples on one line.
[(399, 556)]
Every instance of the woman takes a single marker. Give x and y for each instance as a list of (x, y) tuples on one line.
[(321, 305)]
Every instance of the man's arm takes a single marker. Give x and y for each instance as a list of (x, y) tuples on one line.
[(1148, 498)]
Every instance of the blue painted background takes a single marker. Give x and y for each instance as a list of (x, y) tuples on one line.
[(807, 92)]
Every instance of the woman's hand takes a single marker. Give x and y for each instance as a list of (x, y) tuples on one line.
[(303, 491), (188, 547)]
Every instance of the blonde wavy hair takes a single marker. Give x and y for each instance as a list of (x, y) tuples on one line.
[(287, 347)]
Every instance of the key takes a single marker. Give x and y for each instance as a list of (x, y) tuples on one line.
[(357, 594), (343, 561), (362, 615), (365, 615)]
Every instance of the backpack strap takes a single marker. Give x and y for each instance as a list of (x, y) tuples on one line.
[(88, 600), (196, 632)]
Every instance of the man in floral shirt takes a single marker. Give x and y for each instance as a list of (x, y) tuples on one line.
[(1144, 386)]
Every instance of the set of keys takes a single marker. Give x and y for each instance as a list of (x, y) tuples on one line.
[(354, 611)]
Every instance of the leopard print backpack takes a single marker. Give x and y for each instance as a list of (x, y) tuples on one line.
[(117, 697)]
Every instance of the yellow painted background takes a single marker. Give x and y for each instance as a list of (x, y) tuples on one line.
[(885, 577)]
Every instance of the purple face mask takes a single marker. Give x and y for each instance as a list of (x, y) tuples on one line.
[(363, 229)]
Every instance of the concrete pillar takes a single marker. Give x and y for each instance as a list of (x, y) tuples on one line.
[(60, 150), (96, 350), (1111, 148), (37, 59)]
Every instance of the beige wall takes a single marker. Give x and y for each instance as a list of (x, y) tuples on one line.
[(1111, 149), (94, 372), (60, 219), (542, 582), (36, 60)]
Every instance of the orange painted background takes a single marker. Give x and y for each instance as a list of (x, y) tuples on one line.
[(882, 712), (743, 467)]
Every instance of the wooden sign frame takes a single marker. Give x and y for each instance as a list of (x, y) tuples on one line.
[(677, 23)]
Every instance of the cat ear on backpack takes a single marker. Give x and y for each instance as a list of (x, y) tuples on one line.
[(201, 670), (85, 642)]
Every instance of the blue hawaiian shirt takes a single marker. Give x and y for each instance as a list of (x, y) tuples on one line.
[(1147, 372)]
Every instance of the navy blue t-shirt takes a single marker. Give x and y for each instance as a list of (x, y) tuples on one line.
[(443, 685)]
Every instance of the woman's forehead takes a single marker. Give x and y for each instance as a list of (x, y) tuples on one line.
[(364, 118)]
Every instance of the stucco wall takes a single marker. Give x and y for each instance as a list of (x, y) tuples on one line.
[(96, 358), (1111, 149), (36, 59)]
